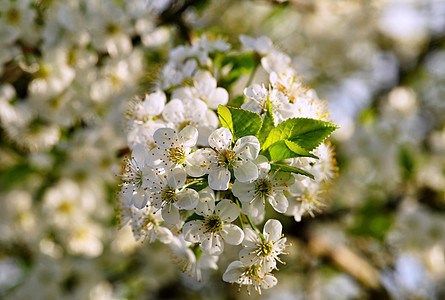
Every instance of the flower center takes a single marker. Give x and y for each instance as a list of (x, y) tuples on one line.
[(265, 249), (263, 187), (226, 158), (149, 222), (184, 125), (252, 273), (169, 195), (176, 155), (214, 224)]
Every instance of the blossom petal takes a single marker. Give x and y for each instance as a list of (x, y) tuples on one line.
[(244, 191), (212, 244), (176, 177), (197, 163), (279, 202), (232, 234), (187, 199), (221, 139), (174, 111), (245, 172), (247, 147), (139, 198), (140, 154), (263, 165), (170, 214), (272, 230), (227, 210), (254, 208), (155, 102), (164, 235), (206, 204), (192, 230), (269, 281), (250, 237), (219, 96), (165, 138), (234, 271), (188, 136), (219, 179), (248, 257), (157, 158)]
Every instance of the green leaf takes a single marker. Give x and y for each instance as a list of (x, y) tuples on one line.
[(268, 124), (225, 116), (237, 101), (194, 216), (286, 149), (239, 121), (299, 151), (198, 185), (240, 64), (287, 168), (307, 133)]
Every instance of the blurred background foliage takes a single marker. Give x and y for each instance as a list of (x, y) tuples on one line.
[(67, 69)]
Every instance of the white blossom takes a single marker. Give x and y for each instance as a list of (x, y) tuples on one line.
[(215, 228), (222, 157), (167, 194), (172, 147), (249, 275), (263, 251), (268, 186)]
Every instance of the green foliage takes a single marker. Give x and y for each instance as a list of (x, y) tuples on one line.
[(290, 169), (407, 162), (285, 149), (292, 138), (239, 121), (372, 220), (306, 133), (237, 101), (240, 64), (199, 185), (193, 217), (267, 126)]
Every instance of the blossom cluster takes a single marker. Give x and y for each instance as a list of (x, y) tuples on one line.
[(203, 173)]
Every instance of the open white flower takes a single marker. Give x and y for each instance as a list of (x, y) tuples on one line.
[(222, 157), (249, 275), (268, 186), (190, 111), (205, 89), (167, 195), (191, 258), (262, 44), (136, 178), (307, 197), (172, 147), (263, 251), (146, 223), (282, 109), (215, 229)]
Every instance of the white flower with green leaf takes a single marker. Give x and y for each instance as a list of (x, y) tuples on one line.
[(223, 158), (268, 186)]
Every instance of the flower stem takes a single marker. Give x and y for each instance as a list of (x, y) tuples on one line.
[(241, 223)]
